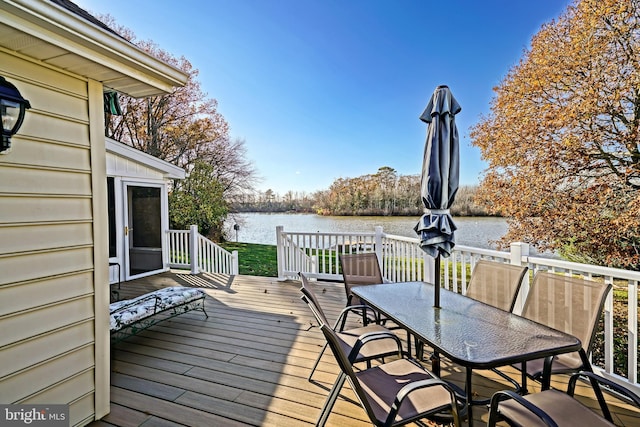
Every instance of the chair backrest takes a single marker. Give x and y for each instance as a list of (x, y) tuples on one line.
[(310, 298), (359, 269), (569, 304), (496, 283)]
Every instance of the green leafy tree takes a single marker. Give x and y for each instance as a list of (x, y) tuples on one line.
[(198, 200), (562, 138)]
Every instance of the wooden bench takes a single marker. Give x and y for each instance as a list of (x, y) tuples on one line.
[(129, 317)]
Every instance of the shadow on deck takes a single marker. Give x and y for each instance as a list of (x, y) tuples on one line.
[(247, 364)]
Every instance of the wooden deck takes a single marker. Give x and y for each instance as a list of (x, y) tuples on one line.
[(247, 363)]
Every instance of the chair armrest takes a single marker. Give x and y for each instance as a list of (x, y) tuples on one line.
[(508, 394), (419, 385), (354, 309), (372, 336), (615, 387)]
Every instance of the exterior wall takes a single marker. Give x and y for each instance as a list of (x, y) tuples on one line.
[(127, 168), (53, 246)]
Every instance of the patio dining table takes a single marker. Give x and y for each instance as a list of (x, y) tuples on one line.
[(470, 333)]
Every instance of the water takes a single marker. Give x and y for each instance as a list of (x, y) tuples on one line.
[(478, 232)]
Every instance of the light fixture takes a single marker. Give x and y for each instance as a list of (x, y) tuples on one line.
[(12, 108)]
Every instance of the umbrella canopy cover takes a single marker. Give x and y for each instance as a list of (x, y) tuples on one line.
[(440, 174)]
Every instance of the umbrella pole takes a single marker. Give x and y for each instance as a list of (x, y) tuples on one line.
[(435, 357), (436, 283)]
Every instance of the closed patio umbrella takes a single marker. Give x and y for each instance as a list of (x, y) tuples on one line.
[(440, 175)]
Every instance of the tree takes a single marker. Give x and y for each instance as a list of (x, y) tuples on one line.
[(387, 179), (185, 128), (562, 137), (198, 200), (179, 127)]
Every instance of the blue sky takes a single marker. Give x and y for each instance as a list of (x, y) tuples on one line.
[(328, 89)]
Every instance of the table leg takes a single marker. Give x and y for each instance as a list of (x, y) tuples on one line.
[(419, 348), (469, 402), (546, 373), (435, 363)]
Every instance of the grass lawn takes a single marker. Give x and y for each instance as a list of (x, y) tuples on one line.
[(254, 259)]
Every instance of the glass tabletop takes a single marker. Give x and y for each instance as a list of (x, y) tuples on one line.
[(471, 333)]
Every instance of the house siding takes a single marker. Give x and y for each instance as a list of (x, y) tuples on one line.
[(126, 168), (50, 239)]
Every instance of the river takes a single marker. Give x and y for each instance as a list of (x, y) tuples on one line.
[(478, 232)]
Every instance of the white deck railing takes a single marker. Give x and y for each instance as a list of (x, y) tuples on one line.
[(401, 259), (190, 250)]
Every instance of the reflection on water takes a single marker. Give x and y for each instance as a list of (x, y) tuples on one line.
[(478, 232)]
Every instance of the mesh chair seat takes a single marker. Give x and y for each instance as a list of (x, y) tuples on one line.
[(373, 350), (393, 393), (381, 384), (562, 409), (566, 363), (554, 408)]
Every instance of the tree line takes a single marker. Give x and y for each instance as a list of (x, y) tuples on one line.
[(384, 193)]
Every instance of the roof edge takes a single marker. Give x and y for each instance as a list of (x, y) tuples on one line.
[(81, 36)]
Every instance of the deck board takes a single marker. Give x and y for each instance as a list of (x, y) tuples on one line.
[(247, 363)]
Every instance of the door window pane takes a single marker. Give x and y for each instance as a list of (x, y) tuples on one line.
[(111, 209)]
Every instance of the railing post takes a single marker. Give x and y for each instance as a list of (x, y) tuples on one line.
[(607, 317), (193, 250), (632, 328), (280, 251), (378, 246), (235, 268), (520, 250), (429, 268), (166, 254)]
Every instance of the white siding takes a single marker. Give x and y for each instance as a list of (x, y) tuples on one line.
[(127, 168)]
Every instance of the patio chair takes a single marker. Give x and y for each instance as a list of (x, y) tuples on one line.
[(569, 304), (496, 283), (554, 408), (377, 349), (358, 270), (393, 393)]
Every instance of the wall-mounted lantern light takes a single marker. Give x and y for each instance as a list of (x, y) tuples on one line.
[(12, 108)]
